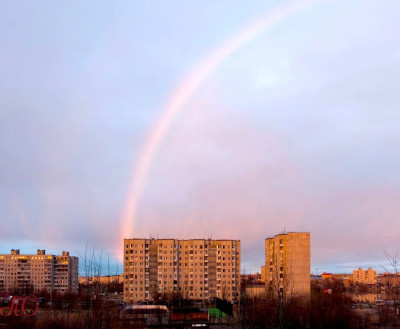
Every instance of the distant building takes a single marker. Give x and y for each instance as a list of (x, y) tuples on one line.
[(327, 279), (102, 280), (287, 263), (361, 276), (327, 276), (195, 269), (250, 279), (348, 280), (35, 272), (389, 283), (255, 291), (252, 285)]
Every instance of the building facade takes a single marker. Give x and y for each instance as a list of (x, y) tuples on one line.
[(287, 264), (361, 276), (35, 272), (194, 269), (263, 274)]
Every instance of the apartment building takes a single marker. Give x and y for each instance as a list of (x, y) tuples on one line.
[(35, 272), (361, 276), (287, 264), (66, 273), (195, 269)]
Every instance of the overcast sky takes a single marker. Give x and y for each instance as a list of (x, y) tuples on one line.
[(298, 130)]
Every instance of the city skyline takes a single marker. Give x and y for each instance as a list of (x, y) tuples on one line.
[(295, 129)]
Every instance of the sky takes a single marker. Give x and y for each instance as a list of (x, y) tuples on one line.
[(296, 129)]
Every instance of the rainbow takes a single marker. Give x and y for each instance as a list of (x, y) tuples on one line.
[(181, 95)]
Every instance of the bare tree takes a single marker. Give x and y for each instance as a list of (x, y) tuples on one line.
[(393, 285), (394, 261)]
